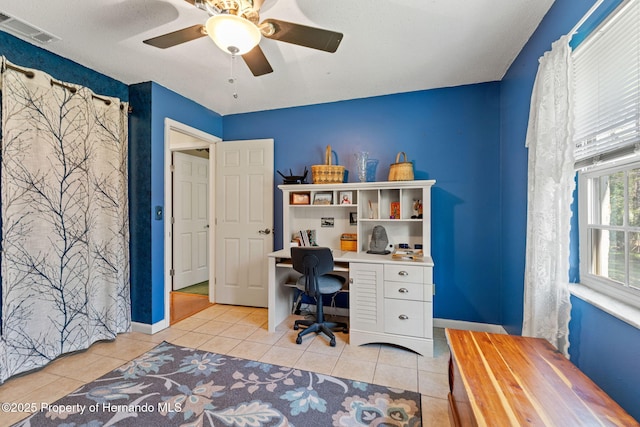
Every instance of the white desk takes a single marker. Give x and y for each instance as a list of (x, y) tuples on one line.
[(390, 300)]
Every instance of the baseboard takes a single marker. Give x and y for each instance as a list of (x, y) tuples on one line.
[(469, 326), (145, 328)]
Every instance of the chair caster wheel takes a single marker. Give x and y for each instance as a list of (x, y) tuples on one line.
[(299, 340), (296, 327), (332, 343)]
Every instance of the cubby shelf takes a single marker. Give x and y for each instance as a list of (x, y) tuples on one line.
[(372, 203)]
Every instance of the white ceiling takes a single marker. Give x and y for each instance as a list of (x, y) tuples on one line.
[(389, 46)]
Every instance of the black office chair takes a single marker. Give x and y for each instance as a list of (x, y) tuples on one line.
[(314, 263)]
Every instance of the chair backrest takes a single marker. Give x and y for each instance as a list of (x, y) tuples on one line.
[(312, 261)]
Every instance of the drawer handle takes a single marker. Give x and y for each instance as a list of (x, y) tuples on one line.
[(403, 317), (403, 290), (403, 273)]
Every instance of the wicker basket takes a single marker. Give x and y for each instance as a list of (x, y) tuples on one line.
[(401, 171), (327, 173), (349, 242)]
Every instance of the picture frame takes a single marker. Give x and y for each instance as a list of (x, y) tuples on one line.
[(353, 218), (323, 198), (299, 198), (395, 210), (327, 222), (346, 197)]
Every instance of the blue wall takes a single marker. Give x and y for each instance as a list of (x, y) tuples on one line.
[(603, 347), (607, 350), (151, 104), (451, 134), (140, 201)]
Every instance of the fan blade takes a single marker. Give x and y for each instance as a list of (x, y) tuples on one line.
[(257, 62), (177, 37), (315, 38)]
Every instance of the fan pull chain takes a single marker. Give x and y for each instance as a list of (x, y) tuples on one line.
[(232, 79)]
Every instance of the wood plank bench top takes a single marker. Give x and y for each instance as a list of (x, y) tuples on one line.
[(506, 380)]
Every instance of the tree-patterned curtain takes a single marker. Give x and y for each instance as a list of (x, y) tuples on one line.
[(64, 212)]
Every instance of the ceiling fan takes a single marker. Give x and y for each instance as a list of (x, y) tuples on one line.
[(234, 27)]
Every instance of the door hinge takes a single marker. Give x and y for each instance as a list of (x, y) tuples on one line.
[(173, 220), (172, 272), (172, 168)]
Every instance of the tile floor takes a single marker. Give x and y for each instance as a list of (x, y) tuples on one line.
[(242, 332)]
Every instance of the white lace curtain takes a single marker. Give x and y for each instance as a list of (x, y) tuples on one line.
[(547, 308), (65, 238)]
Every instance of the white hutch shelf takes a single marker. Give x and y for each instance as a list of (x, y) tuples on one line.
[(390, 301)]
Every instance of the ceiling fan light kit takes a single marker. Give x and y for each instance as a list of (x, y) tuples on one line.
[(235, 27), (232, 33)]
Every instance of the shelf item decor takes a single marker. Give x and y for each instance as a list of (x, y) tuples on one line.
[(300, 198), (327, 173), (408, 254), (395, 210), (349, 242), (372, 164), (401, 171), (346, 197), (362, 157), (324, 198)]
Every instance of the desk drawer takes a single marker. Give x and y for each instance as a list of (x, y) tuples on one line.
[(404, 317), (407, 291), (404, 273)]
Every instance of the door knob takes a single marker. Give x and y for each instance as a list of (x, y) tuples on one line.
[(265, 231), (206, 226)]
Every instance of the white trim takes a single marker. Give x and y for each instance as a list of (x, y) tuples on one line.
[(613, 306), (611, 294), (469, 326), (201, 140), (145, 328), (585, 17)]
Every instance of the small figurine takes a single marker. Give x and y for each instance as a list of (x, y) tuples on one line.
[(417, 209)]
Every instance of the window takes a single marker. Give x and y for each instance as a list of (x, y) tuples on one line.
[(607, 138), (607, 88), (610, 230)]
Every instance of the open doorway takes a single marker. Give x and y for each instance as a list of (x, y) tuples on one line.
[(189, 212), (190, 232)]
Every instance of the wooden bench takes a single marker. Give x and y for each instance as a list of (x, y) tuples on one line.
[(504, 380)]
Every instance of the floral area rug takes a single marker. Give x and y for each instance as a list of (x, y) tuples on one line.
[(178, 386)]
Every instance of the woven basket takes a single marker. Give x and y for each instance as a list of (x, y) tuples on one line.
[(327, 173), (401, 171)]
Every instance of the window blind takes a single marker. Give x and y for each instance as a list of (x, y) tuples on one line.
[(606, 70)]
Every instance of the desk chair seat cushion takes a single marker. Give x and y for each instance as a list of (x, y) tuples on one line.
[(327, 283)]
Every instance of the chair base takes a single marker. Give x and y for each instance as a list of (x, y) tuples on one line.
[(319, 327)]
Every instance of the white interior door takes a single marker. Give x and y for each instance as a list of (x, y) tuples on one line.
[(191, 220), (244, 221)]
